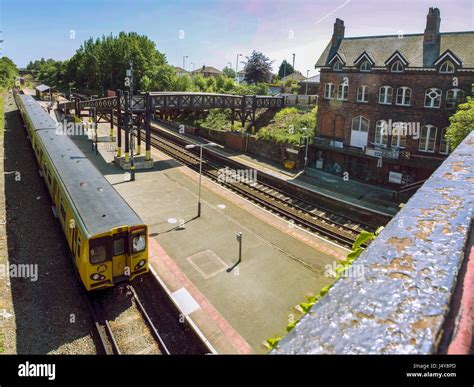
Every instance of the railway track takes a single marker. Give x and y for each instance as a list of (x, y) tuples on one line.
[(331, 226), (123, 324)]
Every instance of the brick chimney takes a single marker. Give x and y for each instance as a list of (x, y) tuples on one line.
[(433, 21), (431, 37), (338, 33)]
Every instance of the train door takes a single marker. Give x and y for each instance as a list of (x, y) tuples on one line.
[(119, 257)]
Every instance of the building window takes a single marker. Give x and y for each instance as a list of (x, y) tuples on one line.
[(365, 66), (454, 97), (363, 94), (329, 91), (397, 67), (337, 66), (381, 133), (342, 92), (360, 124), (385, 95), (428, 138), (404, 96), (443, 144), (399, 134), (433, 98), (447, 68)]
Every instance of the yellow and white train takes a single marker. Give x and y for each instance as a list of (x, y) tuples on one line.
[(107, 239)]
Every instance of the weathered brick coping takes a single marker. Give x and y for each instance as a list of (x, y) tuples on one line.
[(410, 274)]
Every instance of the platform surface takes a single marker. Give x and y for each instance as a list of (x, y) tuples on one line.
[(238, 310)]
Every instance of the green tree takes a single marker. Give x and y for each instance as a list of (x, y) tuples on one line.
[(285, 69), (461, 123), (258, 68), (164, 78), (229, 72), (8, 72)]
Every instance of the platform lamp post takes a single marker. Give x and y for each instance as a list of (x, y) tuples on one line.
[(307, 77), (131, 127), (306, 151), (191, 146), (193, 65)]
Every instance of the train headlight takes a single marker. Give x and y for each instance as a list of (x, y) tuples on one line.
[(140, 264), (97, 277)]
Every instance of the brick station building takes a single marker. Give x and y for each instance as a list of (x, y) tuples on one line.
[(384, 101)]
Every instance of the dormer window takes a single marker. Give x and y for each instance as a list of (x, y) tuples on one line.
[(447, 67), (365, 66), (397, 67), (337, 66)]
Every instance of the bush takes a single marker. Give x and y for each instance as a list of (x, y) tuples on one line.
[(289, 126)]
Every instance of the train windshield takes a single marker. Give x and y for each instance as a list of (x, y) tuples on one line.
[(138, 241), (98, 250)]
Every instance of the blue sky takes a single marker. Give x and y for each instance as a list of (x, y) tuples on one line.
[(215, 31)]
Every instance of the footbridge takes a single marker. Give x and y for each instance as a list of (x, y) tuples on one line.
[(165, 105)]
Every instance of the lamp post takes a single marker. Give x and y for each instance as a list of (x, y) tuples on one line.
[(294, 61), (184, 62), (307, 77), (306, 151), (191, 146), (193, 65), (237, 65)]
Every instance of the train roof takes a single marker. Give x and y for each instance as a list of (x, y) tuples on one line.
[(99, 205)]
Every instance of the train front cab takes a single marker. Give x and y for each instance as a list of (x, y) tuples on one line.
[(118, 256)]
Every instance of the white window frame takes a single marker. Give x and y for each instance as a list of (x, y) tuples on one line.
[(447, 67), (397, 67), (359, 129), (432, 104), (378, 138), (430, 130), (337, 65), (398, 141), (386, 94), (365, 66), (329, 86), (342, 91), (455, 100), (444, 141), (364, 91), (405, 93)]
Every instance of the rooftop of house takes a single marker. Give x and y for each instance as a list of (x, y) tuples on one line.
[(381, 48), (311, 80), (207, 69)]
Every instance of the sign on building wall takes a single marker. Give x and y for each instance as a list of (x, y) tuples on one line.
[(383, 153), (395, 177)]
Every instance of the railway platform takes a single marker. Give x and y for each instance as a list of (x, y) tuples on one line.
[(234, 306), (354, 193)]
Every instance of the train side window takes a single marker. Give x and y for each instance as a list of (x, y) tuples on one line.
[(78, 246), (98, 250), (49, 178)]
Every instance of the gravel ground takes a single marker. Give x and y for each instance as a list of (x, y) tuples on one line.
[(128, 326), (51, 312)]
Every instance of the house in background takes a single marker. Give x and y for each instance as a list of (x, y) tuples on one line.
[(385, 101), (207, 71), (180, 71), (296, 76), (241, 77), (309, 86)]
